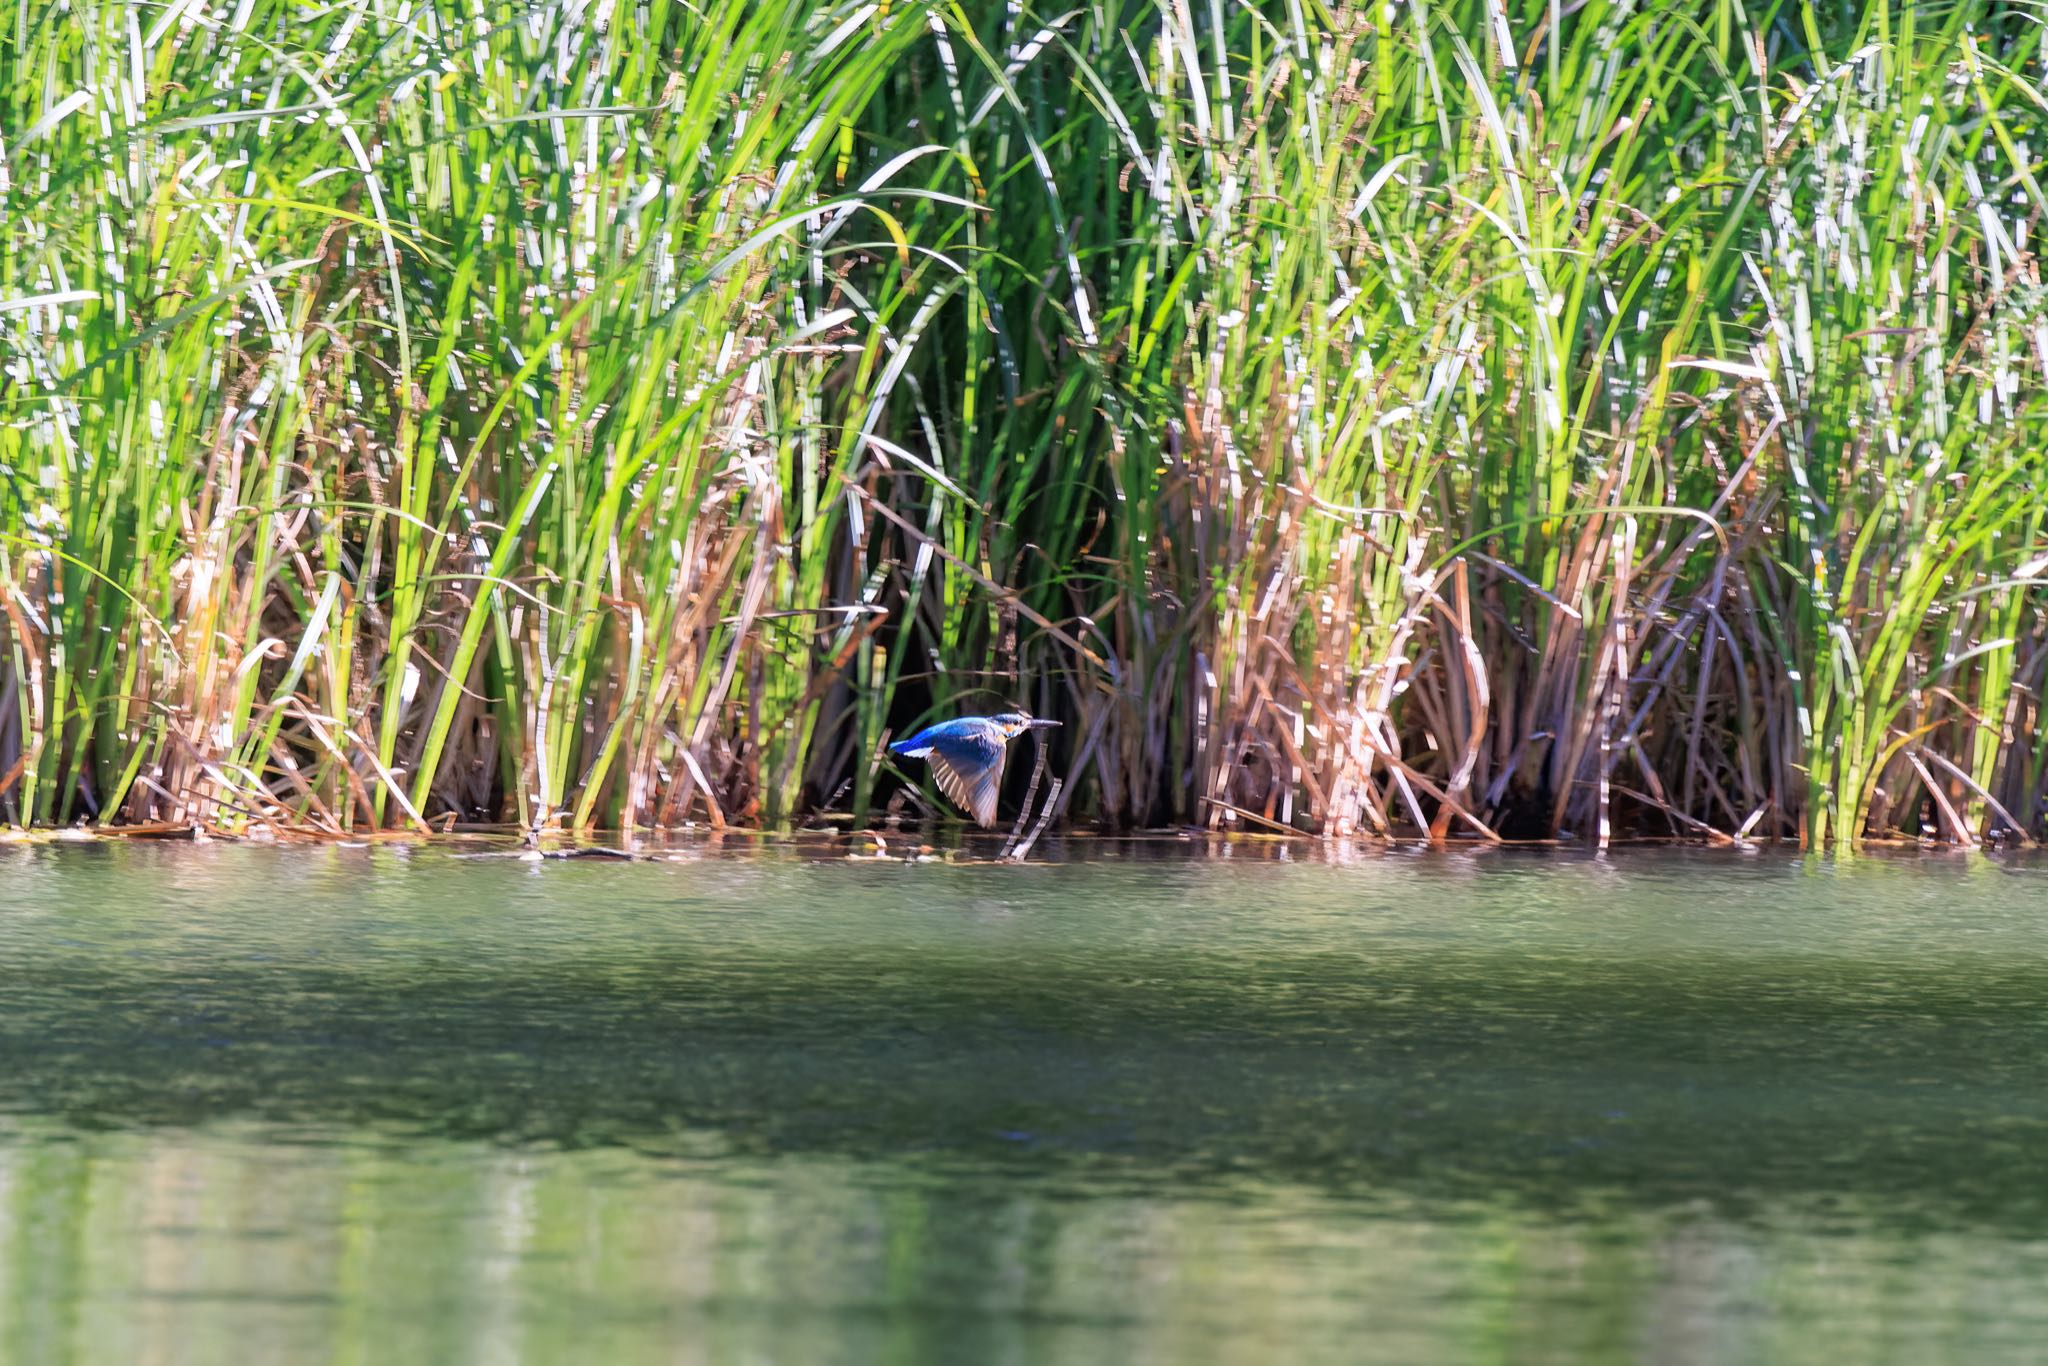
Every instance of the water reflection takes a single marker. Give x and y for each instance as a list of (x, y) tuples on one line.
[(373, 1106), (224, 1245)]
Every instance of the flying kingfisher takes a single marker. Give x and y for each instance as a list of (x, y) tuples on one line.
[(966, 756)]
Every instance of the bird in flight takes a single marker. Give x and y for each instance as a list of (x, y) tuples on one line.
[(966, 757)]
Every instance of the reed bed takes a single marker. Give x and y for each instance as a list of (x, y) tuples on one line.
[(1472, 420)]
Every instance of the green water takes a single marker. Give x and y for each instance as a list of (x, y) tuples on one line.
[(396, 1105)]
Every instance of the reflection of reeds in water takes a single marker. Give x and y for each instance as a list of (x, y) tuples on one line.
[(1422, 421), (211, 1244)]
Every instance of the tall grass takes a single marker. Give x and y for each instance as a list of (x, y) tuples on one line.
[(1480, 419)]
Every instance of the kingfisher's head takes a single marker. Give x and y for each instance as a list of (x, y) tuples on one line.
[(1015, 723)]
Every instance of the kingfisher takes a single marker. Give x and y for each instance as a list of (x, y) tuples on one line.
[(966, 756)]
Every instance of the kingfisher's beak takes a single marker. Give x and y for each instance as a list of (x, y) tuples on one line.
[(1037, 723)]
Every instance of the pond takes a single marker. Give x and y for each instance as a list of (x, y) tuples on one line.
[(1136, 1103)]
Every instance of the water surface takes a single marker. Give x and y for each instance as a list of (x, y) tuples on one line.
[(398, 1104)]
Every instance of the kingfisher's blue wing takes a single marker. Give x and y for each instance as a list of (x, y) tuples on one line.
[(969, 769)]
